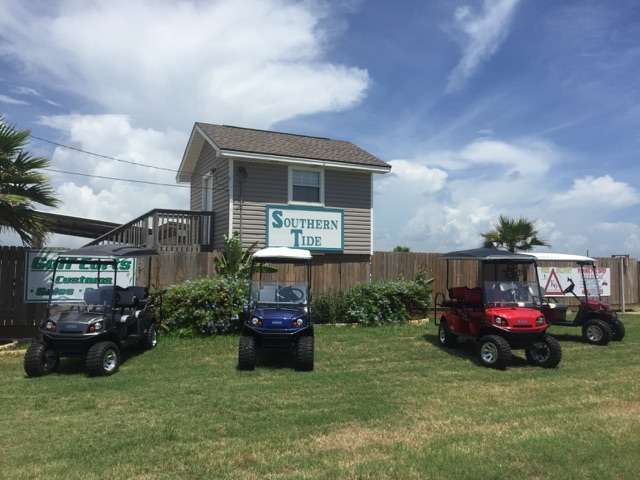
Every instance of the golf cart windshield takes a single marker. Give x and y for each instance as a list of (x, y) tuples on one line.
[(512, 293), (81, 284), (511, 285), (591, 282), (275, 283)]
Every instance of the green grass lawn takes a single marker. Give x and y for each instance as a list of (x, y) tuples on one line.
[(383, 403)]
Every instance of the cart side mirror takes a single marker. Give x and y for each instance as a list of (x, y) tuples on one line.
[(570, 288)]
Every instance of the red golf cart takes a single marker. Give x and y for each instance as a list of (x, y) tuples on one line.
[(599, 323), (501, 315)]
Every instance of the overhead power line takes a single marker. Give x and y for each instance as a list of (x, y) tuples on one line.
[(131, 180), (99, 155)]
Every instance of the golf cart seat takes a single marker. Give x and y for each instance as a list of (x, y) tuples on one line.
[(98, 296), (556, 312), (131, 297), (466, 296)]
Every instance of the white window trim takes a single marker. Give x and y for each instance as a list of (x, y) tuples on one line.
[(290, 182), (204, 206)]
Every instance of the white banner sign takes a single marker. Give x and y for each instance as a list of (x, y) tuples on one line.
[(72, 280), (311, 228), (554, 280)]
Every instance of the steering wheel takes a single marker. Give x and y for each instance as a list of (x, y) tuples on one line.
[(290, 294), (571, 286)]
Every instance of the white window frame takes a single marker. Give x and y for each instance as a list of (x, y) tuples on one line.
[(312, 169), (204, 206)]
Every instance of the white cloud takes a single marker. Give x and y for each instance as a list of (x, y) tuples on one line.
[(602, 192), (115, 136), (163, 63), (429, 180), (474, 193), (511, 158), (483, 33), (32, 92), (11, 100)]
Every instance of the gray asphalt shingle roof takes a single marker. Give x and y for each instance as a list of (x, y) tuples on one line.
[(240, 139)]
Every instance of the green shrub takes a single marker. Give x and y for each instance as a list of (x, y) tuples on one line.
[(189, 307), (375, 303)]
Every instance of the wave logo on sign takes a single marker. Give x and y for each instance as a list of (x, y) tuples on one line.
[(553, 286)]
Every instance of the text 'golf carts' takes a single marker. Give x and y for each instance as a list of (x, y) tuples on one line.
[(599, 323), (100, 322), (503, 313), (278, 312)]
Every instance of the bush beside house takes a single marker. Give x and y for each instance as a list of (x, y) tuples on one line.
[(375, 303), (189, 307)]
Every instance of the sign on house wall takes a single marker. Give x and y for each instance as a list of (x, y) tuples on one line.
[(554, 280), (311, 228), (72, 280)]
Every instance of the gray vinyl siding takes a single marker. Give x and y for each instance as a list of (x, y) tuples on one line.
[(265, 183), (220, 166), (268, 183), (351, 191)]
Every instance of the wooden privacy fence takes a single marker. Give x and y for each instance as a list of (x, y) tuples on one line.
[(17, 318), (329, 273)]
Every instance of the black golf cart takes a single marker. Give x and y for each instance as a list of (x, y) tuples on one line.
[(500, 315), (599, 323), (278, 313), (97, 327)]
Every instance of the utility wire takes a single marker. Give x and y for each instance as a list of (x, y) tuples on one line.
[(116, 178), (71, 147)]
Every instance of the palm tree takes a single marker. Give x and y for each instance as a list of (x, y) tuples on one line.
[(234, 261), (22, 186), (513, 234)]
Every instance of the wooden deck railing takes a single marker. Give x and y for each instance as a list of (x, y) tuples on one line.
[(165, 230)]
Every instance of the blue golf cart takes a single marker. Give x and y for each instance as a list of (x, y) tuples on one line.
[(278, 312)]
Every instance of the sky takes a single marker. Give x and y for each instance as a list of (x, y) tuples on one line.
[(514, 107)]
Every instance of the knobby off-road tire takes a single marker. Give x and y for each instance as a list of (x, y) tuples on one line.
[(494, 351), (545, 353), (597, 332), (40, 360), (445, 337), (304, 354), (247, 353), (150, 339), (618, 330), (103, 359)]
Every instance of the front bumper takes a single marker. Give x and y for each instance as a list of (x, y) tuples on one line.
[(279, 332), (519, 338), (70, 343)]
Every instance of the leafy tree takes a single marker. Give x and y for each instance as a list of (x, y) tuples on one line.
[(513, 234), (401, 248), (22, 187), (234, 261)]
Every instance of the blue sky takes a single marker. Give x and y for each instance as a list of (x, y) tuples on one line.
[(482, 107)]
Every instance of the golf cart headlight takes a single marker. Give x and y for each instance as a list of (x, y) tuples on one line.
[(50, 325), (540, 320), (298, 322), (500, 321), (256, 322), (95, 327)]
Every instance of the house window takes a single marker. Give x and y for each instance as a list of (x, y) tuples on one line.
[(306, 185)]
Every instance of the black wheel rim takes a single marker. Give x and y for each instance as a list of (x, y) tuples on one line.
[(540, 352)]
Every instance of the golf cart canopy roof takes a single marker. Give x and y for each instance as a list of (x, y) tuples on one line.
[(109, 251), (562, 257), (282, 253), (489, 255)]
